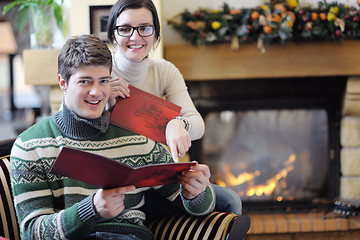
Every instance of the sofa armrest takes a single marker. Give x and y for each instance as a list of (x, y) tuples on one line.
[(8, 223), (215, 225)]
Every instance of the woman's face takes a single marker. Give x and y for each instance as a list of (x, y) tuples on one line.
[(135, 48)]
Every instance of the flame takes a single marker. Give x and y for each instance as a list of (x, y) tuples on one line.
[(291, 159), (240, 179), (260, 190), (270, 183), (220, 183)]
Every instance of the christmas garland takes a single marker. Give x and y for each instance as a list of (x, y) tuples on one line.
[(274, 21)]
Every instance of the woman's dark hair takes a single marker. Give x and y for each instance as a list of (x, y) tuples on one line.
[(123, 5)]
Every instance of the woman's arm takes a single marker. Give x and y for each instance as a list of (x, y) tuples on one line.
[(180, 132)]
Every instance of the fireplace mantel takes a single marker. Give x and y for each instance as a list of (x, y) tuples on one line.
[(307, 59)]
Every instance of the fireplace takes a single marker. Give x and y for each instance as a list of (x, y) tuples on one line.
[(274, 141), (293, 78)]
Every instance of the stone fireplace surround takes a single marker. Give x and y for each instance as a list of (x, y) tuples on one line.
[(304, 60)]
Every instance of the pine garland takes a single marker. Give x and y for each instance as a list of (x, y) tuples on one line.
[(280, 20)]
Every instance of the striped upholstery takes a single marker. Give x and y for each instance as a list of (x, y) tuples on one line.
[(215, 226), (8, 225)]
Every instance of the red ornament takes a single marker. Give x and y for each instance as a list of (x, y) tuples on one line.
[(356, 19), (197, 14), (338, 33)]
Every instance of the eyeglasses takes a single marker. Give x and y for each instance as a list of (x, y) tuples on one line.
[(127, 31)]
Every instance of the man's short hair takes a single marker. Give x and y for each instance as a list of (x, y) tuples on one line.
[(80, 51)]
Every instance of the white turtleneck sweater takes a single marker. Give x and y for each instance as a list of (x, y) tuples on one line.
[(160, 78)]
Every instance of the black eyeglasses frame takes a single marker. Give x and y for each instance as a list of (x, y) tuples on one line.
[(137, 29)]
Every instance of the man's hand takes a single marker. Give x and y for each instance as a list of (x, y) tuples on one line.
[(109, 203), (195, 180)]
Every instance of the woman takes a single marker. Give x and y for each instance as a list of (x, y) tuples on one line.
[(134, 28)]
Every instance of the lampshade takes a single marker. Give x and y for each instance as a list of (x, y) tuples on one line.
[(7, 40)]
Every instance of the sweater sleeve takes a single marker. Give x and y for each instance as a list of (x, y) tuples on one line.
[(175, 91), (202, 204), (40, 213)]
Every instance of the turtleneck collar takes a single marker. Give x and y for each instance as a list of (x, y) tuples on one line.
[(132, 72), (78, 128)]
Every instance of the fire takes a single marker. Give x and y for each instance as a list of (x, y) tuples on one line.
[(241, 178), (291, 159), (270, 183), (259, 190)]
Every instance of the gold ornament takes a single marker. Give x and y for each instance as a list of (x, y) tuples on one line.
[(234, 42), (340, 23)]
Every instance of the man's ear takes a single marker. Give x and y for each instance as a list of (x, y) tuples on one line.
[(62, 83)]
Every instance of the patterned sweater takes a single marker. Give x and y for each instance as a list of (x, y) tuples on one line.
[(55, 207)]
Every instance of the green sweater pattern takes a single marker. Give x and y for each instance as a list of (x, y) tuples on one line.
[(49, 206)]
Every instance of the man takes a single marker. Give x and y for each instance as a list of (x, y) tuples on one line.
[(55, 207)]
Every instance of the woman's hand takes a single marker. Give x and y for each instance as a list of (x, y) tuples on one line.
[(195, 180), (177, 138), (109, 203), (119, 87)]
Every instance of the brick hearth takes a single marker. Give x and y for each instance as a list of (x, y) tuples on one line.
[(297, 225)]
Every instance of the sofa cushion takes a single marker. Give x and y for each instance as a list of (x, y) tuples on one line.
[(184, 226), (8, 224)]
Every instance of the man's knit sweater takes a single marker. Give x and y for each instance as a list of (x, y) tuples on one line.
[(55, 207)]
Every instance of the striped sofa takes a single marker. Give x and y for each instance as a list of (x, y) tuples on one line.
[(8, 225), (216, 225)]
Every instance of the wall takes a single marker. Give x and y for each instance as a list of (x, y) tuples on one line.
[(79, 18)]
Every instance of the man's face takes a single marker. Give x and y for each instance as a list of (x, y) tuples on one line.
[(87, 91)]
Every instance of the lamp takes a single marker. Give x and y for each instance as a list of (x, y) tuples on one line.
[(8, 46), (7, 42)]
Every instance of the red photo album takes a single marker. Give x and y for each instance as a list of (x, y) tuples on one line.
[(144, 114), (107, 173)]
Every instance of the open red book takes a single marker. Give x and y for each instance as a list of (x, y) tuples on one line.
[(107, 173), (144, 114)]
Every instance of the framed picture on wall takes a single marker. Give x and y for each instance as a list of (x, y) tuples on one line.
[(98, 20)]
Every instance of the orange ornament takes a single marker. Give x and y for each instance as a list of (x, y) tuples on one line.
[(234, 11), (292, 15), (358, 2), (322, 16), (281, 7), (254, 15), (314, 16), (267, 29), (273, 18)]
